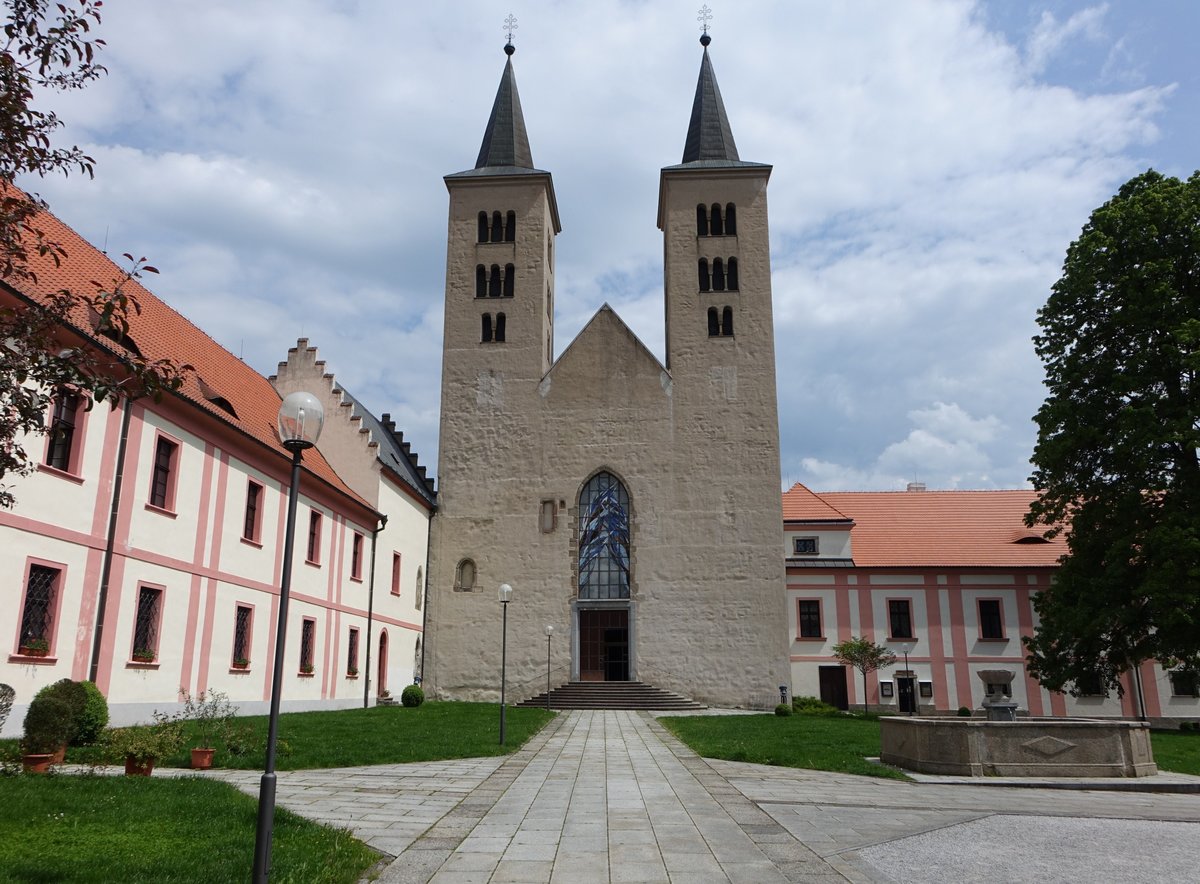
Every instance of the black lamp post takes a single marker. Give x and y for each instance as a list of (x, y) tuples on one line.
[(549, 632), (505, 597), (912, 683), (300, 419)]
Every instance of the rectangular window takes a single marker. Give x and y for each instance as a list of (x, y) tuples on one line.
[(991, 624), (38, 610), (926, 689), (395, 573), (252, 524), (162, 480), (900, 618), (356, 557), (314, 537), (809, 615), (352, 653), (242, 621), (145, 624), (1090, 686), (1185, 684), (805, 546), (308, 638), (61, 447), (549, 516)]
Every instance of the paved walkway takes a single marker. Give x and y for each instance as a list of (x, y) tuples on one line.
[(612, 797)]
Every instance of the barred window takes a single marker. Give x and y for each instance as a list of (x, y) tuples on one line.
[(314, 537), (308, 632), (352, 652), (241, 635), (356, 556), (145, 624), (37, 615), (252, 523), (162, 483)]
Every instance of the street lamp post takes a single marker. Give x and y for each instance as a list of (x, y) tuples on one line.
[(549, 632), (912, 683), (505, 598), (300, 419)]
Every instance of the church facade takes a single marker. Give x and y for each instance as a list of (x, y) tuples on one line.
[(632, 505)]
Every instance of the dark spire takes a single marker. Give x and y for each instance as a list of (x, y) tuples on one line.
[(505, 142), (709, 136)]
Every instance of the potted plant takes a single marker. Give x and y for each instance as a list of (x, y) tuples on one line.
[(213, 716), (142, 746), (352, 671), (241, 663), (306, 669), (75, 696), (47, 724), (144, 655), (34, 647)]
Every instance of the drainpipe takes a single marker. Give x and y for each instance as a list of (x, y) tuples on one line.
[(110, 543), (371, 612), (424, 594)]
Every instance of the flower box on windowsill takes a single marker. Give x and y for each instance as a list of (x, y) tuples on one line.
[(36, 648), (240, 665), (144, 657), (351, 673), (306, 672)]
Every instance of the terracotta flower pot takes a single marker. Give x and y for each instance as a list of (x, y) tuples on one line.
[(202, 759), (135, 767), (36, 763), (60, 754), (32, 652)]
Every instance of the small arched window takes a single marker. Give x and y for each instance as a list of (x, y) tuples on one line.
[(731, 279), (483, 227), (499, 328), (494, 283), (718, 229), (485, 333), (420, 588), (497, 227), (714, 322), (701, 220), (727, 322), (480, 281), (464, 576), (730, 220), (718, 275), (510, 275), (705, 285), (510, 227)]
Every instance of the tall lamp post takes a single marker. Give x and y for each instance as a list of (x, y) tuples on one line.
[(505, 598), (549, 632), (912, 682), (300, 420)]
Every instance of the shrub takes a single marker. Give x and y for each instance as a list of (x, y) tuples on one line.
[(213, 714), (75, 696), (813, 706), (7, 695), (783, 709), (964, 712), (148, 742), (47, 724), (91, 724), (412, 696)]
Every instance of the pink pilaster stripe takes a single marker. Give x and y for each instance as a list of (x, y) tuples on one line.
[(214, 563), (866, 619), (937, 642), (1033, 690), (1150, 690), (82, 655), (842, 602), (958, 642)]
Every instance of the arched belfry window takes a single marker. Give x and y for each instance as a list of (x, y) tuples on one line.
[(480, 281), (483, 227), (701, 220), (727, 322), (714, 323), (731, 280), (718, 275), (718, 229), (731, 220), (497, 227), (603, 539), (485, 332), (705, 284), (494, 283), (500, 328), (510, 227), (510, 278)]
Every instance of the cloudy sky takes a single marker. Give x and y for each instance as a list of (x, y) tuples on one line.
[(282, 163)]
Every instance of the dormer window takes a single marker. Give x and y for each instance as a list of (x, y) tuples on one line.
[(805, 546)]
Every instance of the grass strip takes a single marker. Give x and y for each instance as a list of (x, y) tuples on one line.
[(1176, 751), (177, 831)]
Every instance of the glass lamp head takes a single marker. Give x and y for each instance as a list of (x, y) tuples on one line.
[(301, 417), (505, 592)]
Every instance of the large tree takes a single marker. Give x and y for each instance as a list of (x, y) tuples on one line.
[(48, 336), (1116, 462)]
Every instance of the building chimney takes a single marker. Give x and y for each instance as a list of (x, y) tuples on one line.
[(916, 486)]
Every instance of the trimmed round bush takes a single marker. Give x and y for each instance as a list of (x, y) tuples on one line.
[(75, 695), (964, 712), (783, 709), (813, 705), (47, 724), (91, 724), (412, 696)]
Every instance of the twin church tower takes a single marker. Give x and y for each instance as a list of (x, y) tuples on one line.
[(632, 506)]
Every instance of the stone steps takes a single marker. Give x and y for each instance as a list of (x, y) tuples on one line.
[(611, 695)]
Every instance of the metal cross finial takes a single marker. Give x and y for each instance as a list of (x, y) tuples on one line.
[(510, 25), (704, 17)]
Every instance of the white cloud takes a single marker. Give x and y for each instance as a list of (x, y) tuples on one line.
[(1050, 35)]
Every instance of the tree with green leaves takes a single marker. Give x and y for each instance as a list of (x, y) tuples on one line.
[(1116, 461), (49, 339), (865, 656)]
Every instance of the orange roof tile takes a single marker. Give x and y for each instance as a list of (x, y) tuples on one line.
[(928, 528), (159, 332)]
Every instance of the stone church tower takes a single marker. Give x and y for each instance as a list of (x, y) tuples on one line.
[(634, 507)]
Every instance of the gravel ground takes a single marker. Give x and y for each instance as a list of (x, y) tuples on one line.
[(1041, 849)]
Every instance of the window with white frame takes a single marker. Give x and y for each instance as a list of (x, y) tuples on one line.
[(805, 546), (1185, 683)]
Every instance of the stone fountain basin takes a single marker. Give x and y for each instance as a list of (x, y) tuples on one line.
[(1028, 747)]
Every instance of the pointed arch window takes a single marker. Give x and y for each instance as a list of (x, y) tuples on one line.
[(603, 538), (701, 220), (497, 227), (510, 227), (494, 282), (483, 227), (481, 282), (731, 275), (500, 328), (485, 333), (730, 220), (705, 283), (718, 275), (715, 225), (510, 276)]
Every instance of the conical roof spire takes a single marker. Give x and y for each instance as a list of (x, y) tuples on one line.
[(505, 142), (709, 136)]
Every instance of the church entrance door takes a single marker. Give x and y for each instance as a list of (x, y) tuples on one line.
[(604, 645)]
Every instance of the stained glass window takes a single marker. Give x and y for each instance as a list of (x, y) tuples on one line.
[(603, 539)]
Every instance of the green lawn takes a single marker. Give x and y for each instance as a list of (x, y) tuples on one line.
[(815, 742), (133, 829), (380, 735), (842, 743)]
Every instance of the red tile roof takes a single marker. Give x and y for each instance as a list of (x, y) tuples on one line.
[(930, 528), (161, 332)]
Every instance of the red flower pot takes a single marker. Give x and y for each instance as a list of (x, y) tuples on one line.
[(202, 759), (137, 768), (36, 763)]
